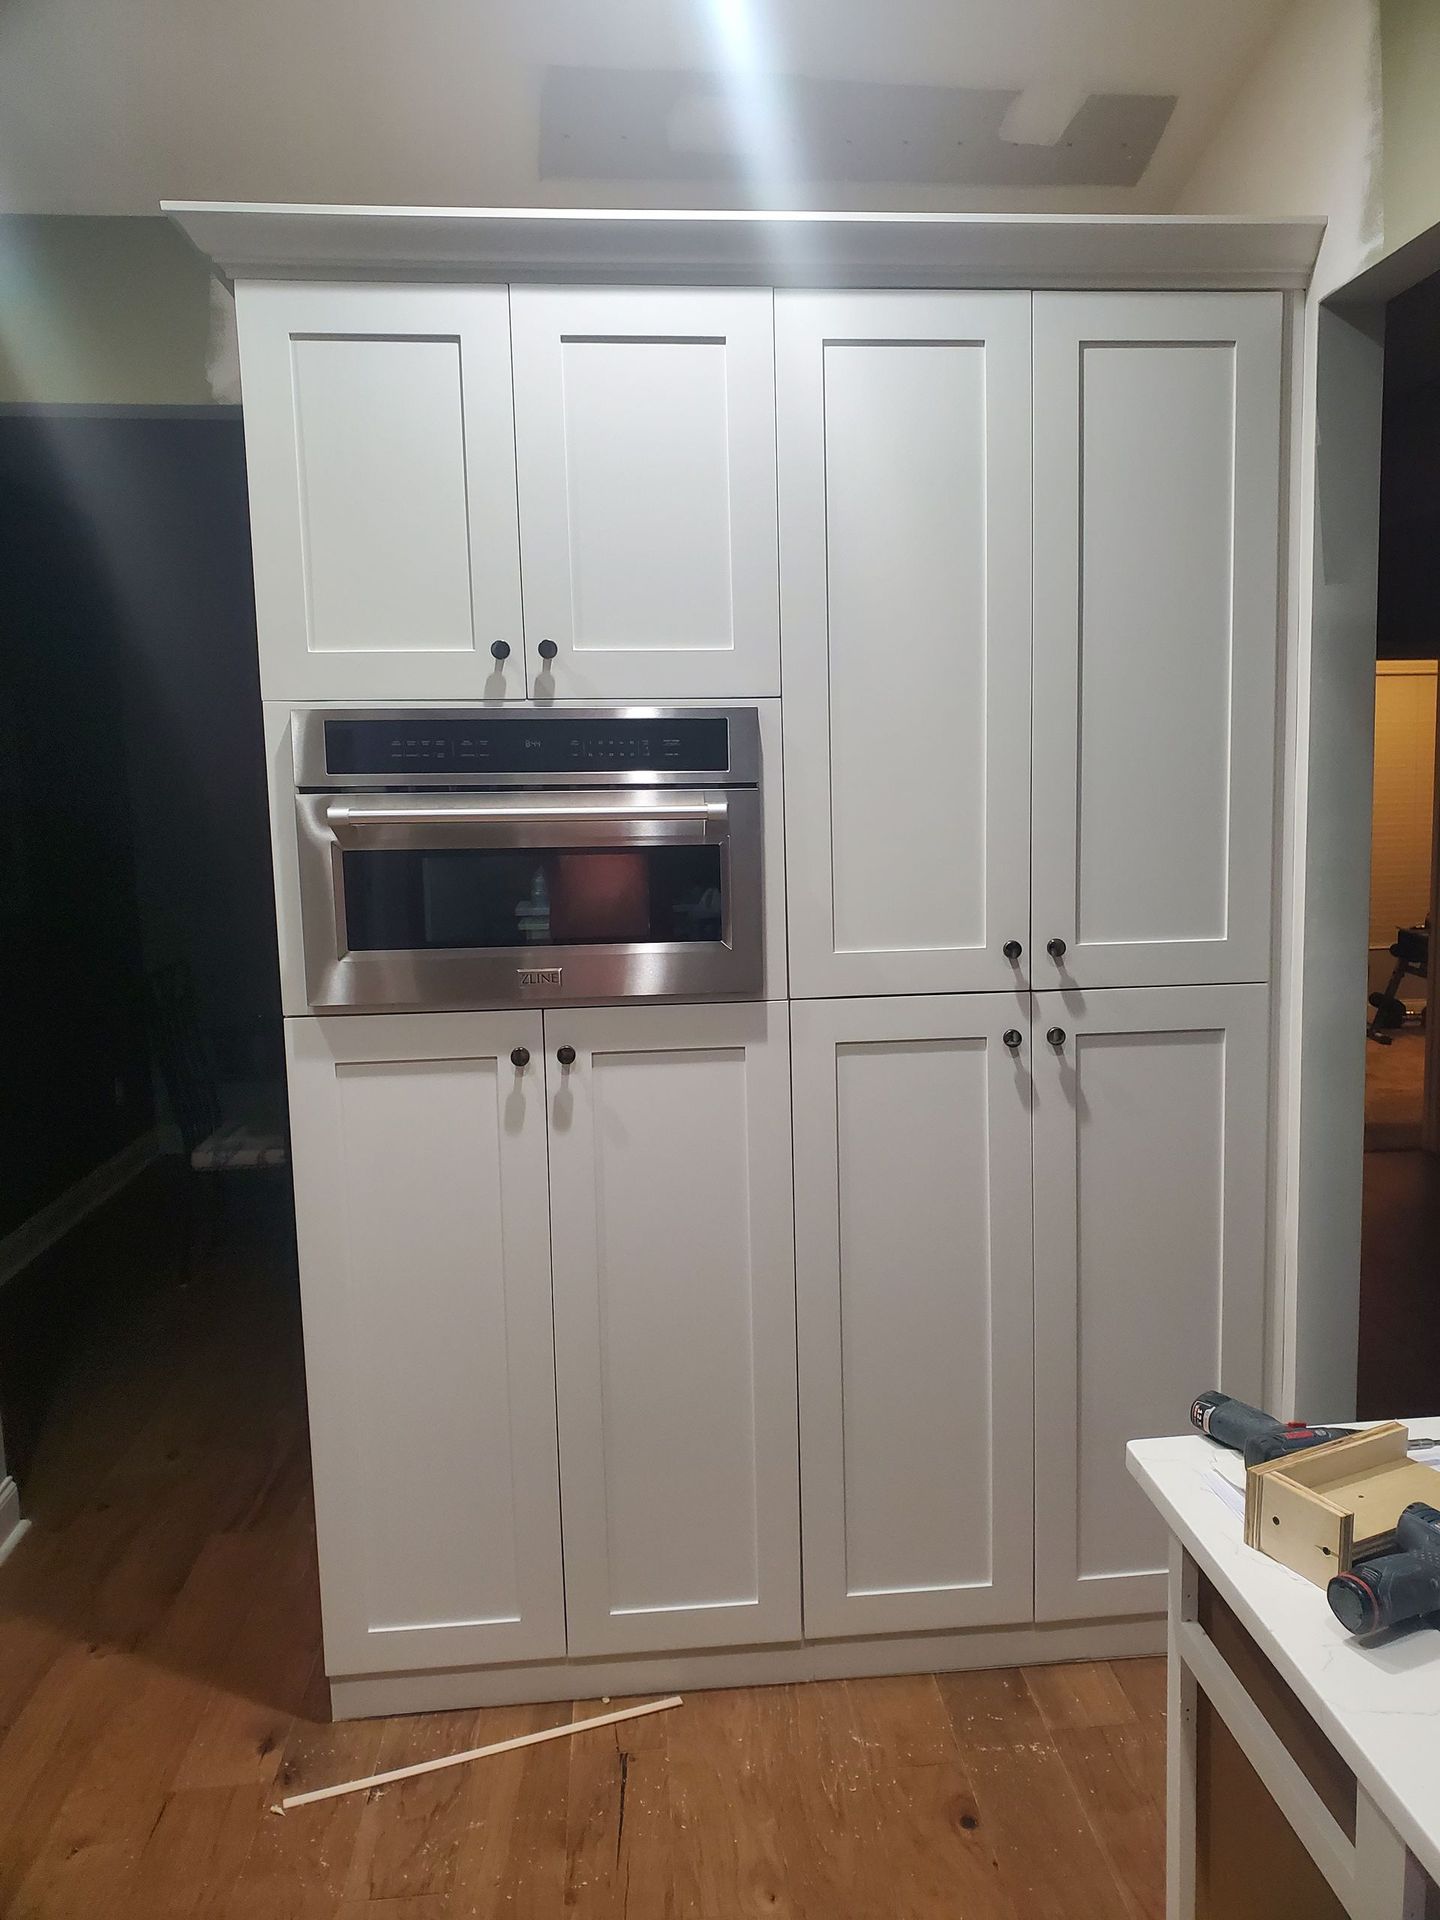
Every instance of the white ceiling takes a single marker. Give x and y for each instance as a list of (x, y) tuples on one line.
[(108, 106)]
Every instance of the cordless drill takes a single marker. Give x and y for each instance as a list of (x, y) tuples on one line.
[(1395, 1587), (1258, 1436)]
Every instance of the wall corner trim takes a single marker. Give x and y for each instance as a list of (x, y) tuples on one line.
[(13, 1526), (33, 1236)]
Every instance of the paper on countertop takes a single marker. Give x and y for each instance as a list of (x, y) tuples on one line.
[(1231, 1468), (1226, 1491)]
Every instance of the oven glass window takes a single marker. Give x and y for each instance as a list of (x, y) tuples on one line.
[(473, 897)]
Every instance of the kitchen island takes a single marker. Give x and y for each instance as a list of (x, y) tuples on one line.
[(1304, 1764)]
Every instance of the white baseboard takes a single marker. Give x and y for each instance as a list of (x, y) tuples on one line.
[(13, 1526), (52, 1223), (359, 1697)]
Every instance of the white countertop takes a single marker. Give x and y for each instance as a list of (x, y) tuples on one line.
[(1379, 1703)]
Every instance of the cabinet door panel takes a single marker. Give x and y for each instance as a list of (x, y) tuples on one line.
[(380, 443), (1150, 1258), (675, 1326), (904, 461), (1157, 463), (646, 450), (421, 1215), (912, 1180)]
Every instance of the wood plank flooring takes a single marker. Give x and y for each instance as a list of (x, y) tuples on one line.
[(160, 1686), (1399, 1362)]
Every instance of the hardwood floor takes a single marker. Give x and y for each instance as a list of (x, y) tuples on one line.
[(1399, 1361), (1394, 1092), (160, 1685)]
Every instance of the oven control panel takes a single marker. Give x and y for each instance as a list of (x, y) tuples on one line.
[(420, 746)]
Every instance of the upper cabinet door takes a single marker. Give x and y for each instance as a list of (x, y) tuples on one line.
[(913, 1273), (1157, 529), (645, 442), (423, 1227), (675, 1325), (1151, 1113), (379, 437), (904, 463)]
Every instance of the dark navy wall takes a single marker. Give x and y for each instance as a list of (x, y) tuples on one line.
[(132, 803)]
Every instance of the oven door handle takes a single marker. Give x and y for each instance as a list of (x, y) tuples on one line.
[(466, 820)]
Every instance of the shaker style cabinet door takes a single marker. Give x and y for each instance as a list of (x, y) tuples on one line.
[(645, 441), (913, 1270), (421, 1215), (1150, 1259), (904, 463), (380, 443), (1157, 529), (675, 1325)]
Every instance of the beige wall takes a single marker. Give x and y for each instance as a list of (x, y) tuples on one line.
[(1410, 69), (97, 311), (1339, 115), (100, 309), (112, 108), (1303, 135)]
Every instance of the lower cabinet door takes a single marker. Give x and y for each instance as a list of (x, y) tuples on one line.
[(675, 1325), (1150, 1258), (913, 1266), (423, 1227)]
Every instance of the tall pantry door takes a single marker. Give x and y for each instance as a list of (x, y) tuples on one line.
[(914, 1282), (903, 430), (1151, 1114), (423, 1227), (1157, 539), (675, 1325)]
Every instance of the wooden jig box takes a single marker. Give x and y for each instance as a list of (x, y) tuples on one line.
[(1319, 1511)]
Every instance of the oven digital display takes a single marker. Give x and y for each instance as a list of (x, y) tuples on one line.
[(417, 744)]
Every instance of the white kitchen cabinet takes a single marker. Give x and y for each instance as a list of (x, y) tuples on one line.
[(380, 445), (913, 1271), (675, 1325), (645, 443), (1150, 1256), (579, 1335), (903, 430), (1157, 527), (423, 1228)]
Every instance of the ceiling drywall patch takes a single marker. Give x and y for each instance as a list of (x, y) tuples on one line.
[(1042, 115), (600, 123)]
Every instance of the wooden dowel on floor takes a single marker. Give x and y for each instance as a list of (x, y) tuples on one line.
[(561, 1732)]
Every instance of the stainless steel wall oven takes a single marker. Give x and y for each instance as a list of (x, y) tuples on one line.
[(528, 857)]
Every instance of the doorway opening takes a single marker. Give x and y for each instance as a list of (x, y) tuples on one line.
[(1400, 1241)]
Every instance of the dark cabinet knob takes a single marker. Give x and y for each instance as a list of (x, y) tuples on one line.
[(1012, 1037), (566, 1056), (1012, 949), (519, 1056), (1056, 1036), (547, 649), (500, 650), (1055, 949)]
